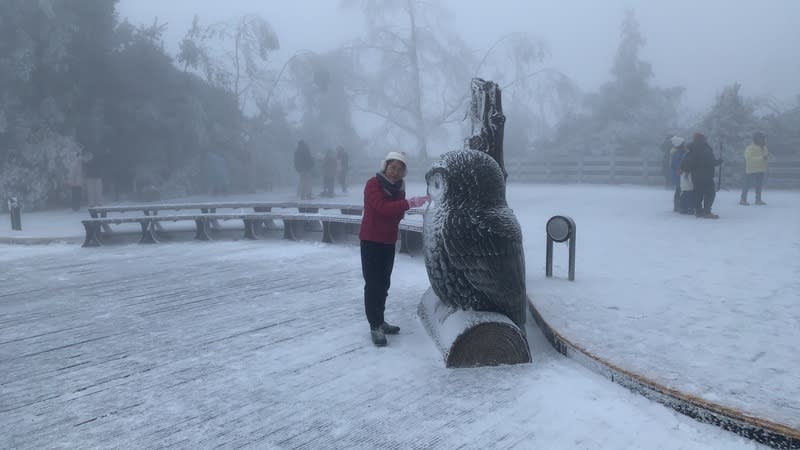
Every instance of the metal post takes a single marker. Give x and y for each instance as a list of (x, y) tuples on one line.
[(560, 229), (16, 214), (572, 255)]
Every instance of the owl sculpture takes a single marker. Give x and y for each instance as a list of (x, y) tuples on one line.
[(473, 242)]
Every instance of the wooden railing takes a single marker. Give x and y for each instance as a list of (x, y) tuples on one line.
[(783, 173)]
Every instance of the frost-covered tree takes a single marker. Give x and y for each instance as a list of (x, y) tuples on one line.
[(72, 78), (323, 102), (627, 115), (233, 55), (731, 122), (783, 130), (535, 98), (408, 69), (53, 60)]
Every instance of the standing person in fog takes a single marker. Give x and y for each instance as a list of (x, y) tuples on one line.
[(303, 164), (75, 180), (341, 155), (755, 166), (700, 163), (93, 171), (677, 153), (385, 205), (328, 173)]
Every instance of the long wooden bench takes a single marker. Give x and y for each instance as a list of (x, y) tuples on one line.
[(149, 209), (334, 226), (152, 209)]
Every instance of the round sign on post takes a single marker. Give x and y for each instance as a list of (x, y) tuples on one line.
[(560, 229)]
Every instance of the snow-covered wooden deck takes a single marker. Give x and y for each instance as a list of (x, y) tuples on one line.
[(263, 345)]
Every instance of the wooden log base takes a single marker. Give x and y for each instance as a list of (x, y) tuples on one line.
[(472, 338)]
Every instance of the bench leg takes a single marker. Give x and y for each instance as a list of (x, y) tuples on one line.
[(92, 235), (333, 231), (148, 233), (265, 225), (404, 241), (157, 225), (288, 230), (106, 227), (201, 230), (327, 232), (250, 229), (410, 242)]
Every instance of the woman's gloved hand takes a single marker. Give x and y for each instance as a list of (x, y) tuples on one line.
[(416, 202)]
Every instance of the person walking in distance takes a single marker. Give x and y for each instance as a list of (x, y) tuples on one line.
[(385, 205), (755, 167)]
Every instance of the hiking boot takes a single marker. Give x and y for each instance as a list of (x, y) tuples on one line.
[(744, 202), (759, 202), (378, 338), (389, 329), (710, 215), (699, 214)]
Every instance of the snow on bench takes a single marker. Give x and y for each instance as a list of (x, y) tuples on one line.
[(334, 226)]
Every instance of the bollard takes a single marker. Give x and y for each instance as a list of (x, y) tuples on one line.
[(560, 229), (16, 217)]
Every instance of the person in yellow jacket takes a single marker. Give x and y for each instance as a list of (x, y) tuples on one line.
[(755, 157)]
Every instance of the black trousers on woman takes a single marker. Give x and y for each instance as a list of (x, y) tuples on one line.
[(377, 261)]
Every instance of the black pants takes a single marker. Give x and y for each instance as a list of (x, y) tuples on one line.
[(377, 261), (704, 192), (687, 202), (676, 198), (327, 185), (76, 198), (753, 180)]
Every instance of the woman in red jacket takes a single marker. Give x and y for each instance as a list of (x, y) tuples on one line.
[(385, 205)]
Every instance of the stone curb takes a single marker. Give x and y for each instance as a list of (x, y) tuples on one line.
[(760, 430)]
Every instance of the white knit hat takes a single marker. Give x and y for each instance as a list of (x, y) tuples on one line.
[(676, 141), (397, 156)]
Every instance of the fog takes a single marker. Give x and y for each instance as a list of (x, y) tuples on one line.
[(140, 95), (699, 45)]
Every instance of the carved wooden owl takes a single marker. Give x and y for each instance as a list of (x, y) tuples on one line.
[(473, 242)]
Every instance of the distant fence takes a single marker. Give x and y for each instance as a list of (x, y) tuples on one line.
[(784, 173)]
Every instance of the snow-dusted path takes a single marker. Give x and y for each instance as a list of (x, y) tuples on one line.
[(263, 345), (708, 307)]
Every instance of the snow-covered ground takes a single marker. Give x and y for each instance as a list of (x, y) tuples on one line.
[(706, 307)]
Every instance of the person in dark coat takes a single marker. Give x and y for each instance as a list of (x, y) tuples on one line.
[(700, 163), (385, 204), (75, 179), (666, 148), (328, 173), (343, 158), (304, 165)]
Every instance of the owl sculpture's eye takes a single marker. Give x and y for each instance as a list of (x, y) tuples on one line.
[(436, 186)]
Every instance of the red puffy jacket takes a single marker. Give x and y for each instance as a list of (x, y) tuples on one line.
[(382, 214)]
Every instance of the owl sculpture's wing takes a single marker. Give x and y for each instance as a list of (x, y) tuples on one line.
[(487, 247)]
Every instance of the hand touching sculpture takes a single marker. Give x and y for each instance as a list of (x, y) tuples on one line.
[(416, 202)]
